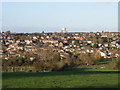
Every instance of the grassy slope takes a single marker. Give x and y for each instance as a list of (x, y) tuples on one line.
[(78, 77)]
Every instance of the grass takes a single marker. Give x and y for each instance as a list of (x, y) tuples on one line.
[(105, 60), (77, 77)]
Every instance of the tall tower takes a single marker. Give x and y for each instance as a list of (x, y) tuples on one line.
[(63, 30)]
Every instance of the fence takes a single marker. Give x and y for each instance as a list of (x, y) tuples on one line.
[(18, 69)]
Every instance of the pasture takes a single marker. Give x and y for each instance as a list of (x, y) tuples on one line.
[(77, 77)]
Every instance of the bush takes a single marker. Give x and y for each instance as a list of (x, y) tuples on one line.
[(115, 63), (39, 66), (48, 66), (85, 59), (89, 58), (59, 65)]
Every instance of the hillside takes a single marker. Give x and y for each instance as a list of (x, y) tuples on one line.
[(77, 77)]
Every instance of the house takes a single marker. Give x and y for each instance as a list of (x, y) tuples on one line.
[(104, 35), (30, 48), (28, 41), (106, 45), (34, 37), (50, 41), (102, 54), (60, 44), (89, 42)]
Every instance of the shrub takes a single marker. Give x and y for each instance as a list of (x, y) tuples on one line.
[(48, 66), (96, 57), (86, 59), (58, 65), (115, 63), (39, 66)]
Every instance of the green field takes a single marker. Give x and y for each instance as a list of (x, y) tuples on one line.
[(77, 77)]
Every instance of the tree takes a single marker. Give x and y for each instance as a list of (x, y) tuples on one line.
[(8, 32), (39, 66), (76, 42), (105, 39), (95, 46), (48, 66), (42, 31), (48, 55), (115, 63), (95, 40), (88, 58), (97, 56), (100, 40), (85, 58), (4, 49)]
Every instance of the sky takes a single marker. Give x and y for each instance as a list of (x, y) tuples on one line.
[(60, 0), (52, 16)]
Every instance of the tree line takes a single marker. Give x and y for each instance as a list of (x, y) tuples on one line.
[(49, 60)]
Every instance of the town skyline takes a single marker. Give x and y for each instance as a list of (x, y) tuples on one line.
[(59, 44), (58, 31)]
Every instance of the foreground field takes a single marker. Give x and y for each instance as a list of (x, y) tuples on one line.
[(78, 77)]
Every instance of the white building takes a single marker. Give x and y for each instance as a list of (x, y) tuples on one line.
[(63, 30), (102, 54)]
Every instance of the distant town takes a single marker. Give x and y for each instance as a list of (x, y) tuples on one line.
[(107, 44)]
